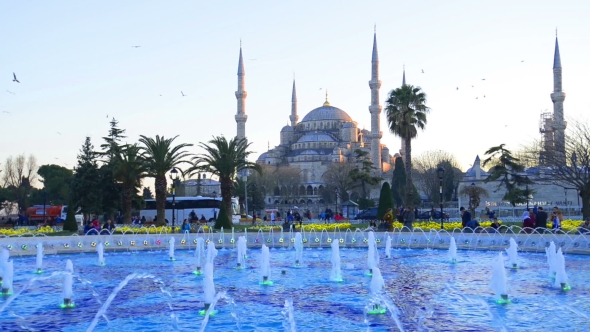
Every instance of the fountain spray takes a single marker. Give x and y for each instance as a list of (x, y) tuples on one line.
[(211, 253), (453, 250), (4, 255), (7, 277), (242, 252), (208, 288), (336, 274), (499, 283), (298, 249), (376, 286), (513, 253), (100, 251), (561, 276), (265, 266), (551, 259), (171, 249), (68, 283), (373, 254), (39, 258), (388, 247), (199, 256)]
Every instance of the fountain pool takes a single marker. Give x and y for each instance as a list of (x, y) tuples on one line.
[(431, 293)]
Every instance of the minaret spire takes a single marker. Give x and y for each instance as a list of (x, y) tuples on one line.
[(402, 151), (558, 96), (375, 108), (294, 117), (241, 95), (404, 77)]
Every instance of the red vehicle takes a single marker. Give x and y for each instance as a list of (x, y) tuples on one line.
[(40, 212)]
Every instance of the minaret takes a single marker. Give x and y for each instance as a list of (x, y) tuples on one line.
[(241, 95), (402, 151), (294, 117), (375, 108), (558, 96)]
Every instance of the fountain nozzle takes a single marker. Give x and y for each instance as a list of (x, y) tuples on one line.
[(207, 305), (563, 285), (5, 291), (67, 302), (283, 272), (504, 297), (514, 266), (297, 262), (264, 278), (239, 265), (39, 270)]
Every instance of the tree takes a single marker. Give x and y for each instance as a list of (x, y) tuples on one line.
[(406, 113), (362, 173), (18, 175), (70, 223), (338, 174), (287, 179), (147, 193), (225, 159), (508, 171), (398, 187), (161, 156), (385, 201), (427, 179), (86, 183), (129, 170), (112, 143), (475, 194), (56, 182), (576, 174)]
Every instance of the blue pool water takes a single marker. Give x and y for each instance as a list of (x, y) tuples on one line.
[(431, 293)]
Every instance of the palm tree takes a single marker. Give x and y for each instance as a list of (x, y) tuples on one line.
[(129, 169), (225, 159), (160, 157), (406, 113)]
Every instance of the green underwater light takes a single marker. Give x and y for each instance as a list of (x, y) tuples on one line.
[(198, 272), (266, 283), (211, 313), (67, 306), (377, 311), (502, 301), (567, 287), (339, 280), (38, 271)]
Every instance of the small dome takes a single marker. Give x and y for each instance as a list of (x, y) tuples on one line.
[(287, 128), (316, 137), (262, 156), (327, 112), (309, 153)]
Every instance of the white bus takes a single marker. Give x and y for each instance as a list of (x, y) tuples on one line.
[(202, 206)]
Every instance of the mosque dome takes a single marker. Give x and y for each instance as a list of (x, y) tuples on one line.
[(316, 137), (287, 128), (327, 112), (349, 125)]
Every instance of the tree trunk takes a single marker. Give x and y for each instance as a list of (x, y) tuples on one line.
[(161, 185), (127, 203), (226, 190), (585, 197), (409, 185)]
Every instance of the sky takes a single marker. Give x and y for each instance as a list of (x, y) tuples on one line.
[(77, 69)]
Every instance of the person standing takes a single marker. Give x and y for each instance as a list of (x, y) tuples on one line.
[(409, 218), (541, 221), (465, 216)]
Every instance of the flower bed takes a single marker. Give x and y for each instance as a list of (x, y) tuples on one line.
[(23, 231)]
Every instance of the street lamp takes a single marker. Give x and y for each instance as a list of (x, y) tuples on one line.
[(336, 192), (245, 179), (174, 174), (526, 178), (440, 171)]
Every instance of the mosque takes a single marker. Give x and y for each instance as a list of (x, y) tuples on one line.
[(325, 135)]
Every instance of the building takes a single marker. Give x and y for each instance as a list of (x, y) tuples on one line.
[(325, 135)]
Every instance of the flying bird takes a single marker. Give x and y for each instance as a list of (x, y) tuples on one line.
[(484, 96), (483, 79), (473, 86), (14, 80), (522, 61), (60, 134), (252, 59), (10, 92), (6, 112), (136, 46), (422, 71), (457, 88), (320, 88), (476, 97), (182, 93)]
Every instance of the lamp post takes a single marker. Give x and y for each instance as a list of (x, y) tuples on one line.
[(336, 192), (526, 178), (245, 179), (440, 171), (174, 174)]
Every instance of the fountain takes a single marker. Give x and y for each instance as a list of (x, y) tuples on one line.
[(68, 283), (499, 283), (560, 276), (100, 251), (453, 250), (376, 286), (199, 255), (288, 317), (211, 253), (4, 255), (39, 258), (388, 247), (550, 252), (242, 247), (208, 288), (336, 274), (373, 254), (298, 249), (265, 266), (513, 253), (171, 249), (7, 277)]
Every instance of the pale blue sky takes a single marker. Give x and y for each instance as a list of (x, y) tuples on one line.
[(76, 66)]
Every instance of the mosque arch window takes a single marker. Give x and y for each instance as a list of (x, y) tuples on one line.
[(302, 201), (309, 201), (309, 190), (315, 191), (277, 201), (321, 201), (301, 190)]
